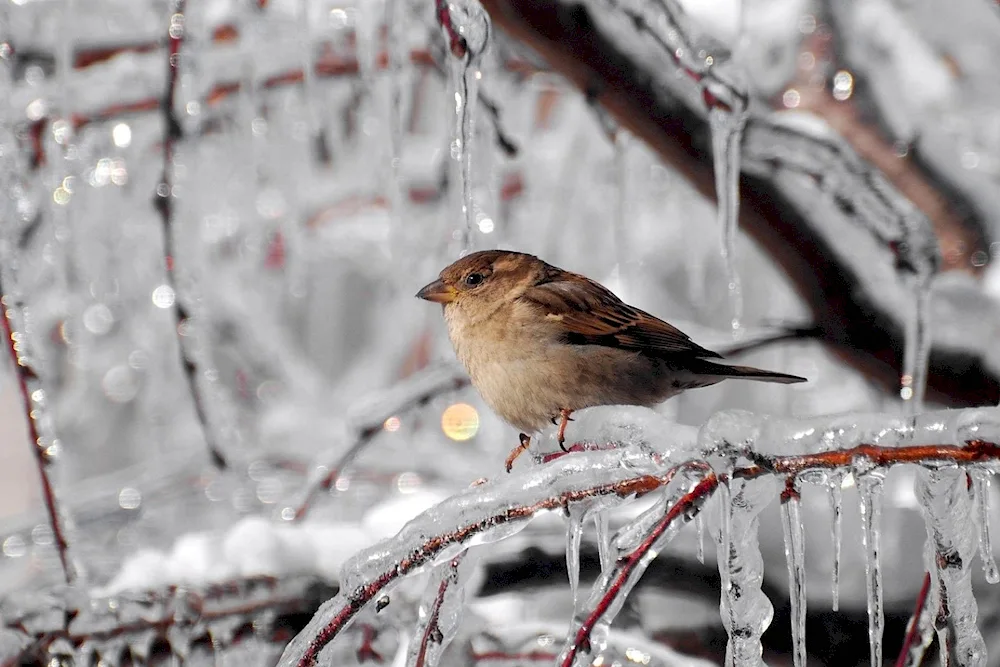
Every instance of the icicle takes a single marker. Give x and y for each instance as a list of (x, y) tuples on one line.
[(727, 136), (917, 349), (604, 549), (870, 492), (574, 532), (981, 485), (746, 612), (835, 490), (791, 517), (471, 22), (947, 509), (699, 523)]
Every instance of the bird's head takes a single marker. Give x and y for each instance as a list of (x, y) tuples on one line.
[(485, 278)]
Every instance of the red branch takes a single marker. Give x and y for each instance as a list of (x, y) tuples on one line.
[(431, 547), (913, 627), (25, 374)]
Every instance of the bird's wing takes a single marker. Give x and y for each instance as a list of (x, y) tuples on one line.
[(589, 314)]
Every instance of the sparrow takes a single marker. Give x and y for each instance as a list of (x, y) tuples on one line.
[(540, 342)]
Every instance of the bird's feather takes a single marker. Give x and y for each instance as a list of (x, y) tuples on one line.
[(590, 314)]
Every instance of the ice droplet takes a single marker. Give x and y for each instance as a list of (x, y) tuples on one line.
[(981, 484), (835, 491), (791, 517), (727, 135), (870, 492)]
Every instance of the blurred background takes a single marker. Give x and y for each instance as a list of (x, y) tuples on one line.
[(216, 214)]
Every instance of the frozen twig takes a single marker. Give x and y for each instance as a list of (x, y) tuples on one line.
[(629, 567), (165, 207), (431, 632), (26, 376), (411, 393), (245, 599)]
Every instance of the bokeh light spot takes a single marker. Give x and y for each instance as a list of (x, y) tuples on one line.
[(460, 421)]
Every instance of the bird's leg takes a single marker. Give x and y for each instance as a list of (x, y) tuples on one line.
[(565, 414), (517, 451)]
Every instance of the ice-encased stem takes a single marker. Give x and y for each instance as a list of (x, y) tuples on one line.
[(870, 493), (836, 494), (439, 612), (727, 136), (947, 510), (635, 546), (745, 609), (791, 518), (916, 352), (981, 486)]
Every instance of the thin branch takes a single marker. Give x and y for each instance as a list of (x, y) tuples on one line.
[(432, 631), (26, 375), (165, 207)]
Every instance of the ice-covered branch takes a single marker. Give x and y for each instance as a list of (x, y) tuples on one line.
[(165, 206), (182, 615), (849, 239), (482, 514), (32, 398), (864, 444)]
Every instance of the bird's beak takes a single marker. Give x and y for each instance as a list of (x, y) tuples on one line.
[(438, 292)]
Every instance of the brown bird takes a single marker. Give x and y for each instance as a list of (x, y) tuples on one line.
[(540, 342)]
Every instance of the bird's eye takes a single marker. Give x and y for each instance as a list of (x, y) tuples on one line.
[(474, 279)]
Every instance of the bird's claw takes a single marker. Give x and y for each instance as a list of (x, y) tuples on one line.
[(517, 451)]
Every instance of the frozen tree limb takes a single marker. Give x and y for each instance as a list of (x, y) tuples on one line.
[(25, 375), (496, 510), (849, 242)]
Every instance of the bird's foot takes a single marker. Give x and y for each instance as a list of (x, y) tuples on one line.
[(566, 419), (517, 451)]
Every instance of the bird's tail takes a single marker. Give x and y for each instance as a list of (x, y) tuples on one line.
[(748, 373)]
